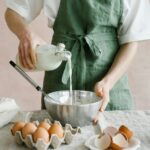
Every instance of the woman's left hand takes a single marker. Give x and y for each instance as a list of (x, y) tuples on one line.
[(102, 89)]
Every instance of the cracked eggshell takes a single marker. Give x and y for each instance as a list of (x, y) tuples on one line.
[(115, 147), (119, 142), (103, 143), (126, 132), (112, 131)]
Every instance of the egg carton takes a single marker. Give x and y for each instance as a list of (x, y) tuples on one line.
[(55, 141)]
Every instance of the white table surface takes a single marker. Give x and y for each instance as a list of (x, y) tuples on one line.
[(137, 121)]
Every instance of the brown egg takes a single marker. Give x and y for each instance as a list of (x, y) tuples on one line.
[(56, 129), (126, 132), (44, 125), (17, 127), (41, 133), (29, 128)]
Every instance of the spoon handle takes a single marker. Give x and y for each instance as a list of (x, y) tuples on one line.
[(33, 83)]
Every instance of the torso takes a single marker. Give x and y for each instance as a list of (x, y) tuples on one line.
[(89, 30)]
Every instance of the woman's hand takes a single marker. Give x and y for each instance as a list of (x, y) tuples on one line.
[(27, 46), (96, 117), (27, 39), (102, 89), (119, 67)]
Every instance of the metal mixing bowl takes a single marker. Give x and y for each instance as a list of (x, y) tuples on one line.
[(85, 106)]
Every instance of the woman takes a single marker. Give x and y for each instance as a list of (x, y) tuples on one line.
[(101, 34)]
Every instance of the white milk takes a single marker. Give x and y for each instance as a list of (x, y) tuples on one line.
[(70, 74)]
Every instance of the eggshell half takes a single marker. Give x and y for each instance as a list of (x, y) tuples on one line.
[(126, 132), (103, 142), (120, 141), (115, 147), (112, 131)]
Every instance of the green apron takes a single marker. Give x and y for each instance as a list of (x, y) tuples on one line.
[(88, 28)]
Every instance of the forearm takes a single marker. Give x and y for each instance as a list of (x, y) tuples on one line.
[(121, 63), (16, 23)]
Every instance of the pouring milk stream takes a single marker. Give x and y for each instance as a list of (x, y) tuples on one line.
[(50, 57)]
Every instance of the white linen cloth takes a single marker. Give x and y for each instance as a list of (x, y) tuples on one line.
[(8, 110), (137, 121), (134, 24)]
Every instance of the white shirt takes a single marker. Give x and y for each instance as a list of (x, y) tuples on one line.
[(135, 22)]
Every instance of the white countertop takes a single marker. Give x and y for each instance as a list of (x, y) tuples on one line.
[(137, 121)]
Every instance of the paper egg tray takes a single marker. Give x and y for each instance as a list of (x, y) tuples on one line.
[(54, 142)]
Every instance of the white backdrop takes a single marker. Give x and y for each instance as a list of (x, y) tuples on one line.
[(13, 85)]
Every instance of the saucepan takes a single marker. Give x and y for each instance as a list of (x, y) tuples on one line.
[(80, 113)]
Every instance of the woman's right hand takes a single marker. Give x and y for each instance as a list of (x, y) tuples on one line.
[(27, 46), (28, 40)]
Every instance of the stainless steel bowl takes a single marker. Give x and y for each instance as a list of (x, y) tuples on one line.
[(80, 113)]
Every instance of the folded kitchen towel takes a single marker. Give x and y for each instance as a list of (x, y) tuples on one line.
[(8, 110), (7, 104)]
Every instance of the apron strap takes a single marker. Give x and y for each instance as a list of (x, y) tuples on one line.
[(78, 52)]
